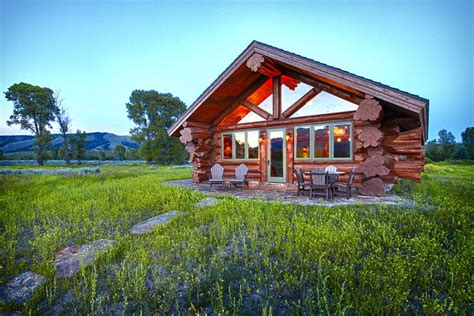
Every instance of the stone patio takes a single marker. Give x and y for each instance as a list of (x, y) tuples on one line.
[(287, 194)]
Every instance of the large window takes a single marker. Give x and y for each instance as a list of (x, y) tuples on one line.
[(302, 141), (242, 145), (332, 141)]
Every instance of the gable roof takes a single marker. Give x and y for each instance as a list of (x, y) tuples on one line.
[(237, 77)]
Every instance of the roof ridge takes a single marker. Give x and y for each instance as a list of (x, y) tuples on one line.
[(342, 70)]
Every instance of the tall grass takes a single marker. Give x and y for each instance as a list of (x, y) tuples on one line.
[(240, 256)]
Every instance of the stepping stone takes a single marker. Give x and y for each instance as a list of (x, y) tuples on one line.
[(69, 260), (151, 223), (21, 288), (207, 202)]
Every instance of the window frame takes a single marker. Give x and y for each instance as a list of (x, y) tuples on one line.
[(331, 141), (246, 150)]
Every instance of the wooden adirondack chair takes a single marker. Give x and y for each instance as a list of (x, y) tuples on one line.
[(330, 169), (240, 176), (217, 175)]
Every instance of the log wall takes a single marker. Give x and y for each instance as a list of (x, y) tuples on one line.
[(387, 146)]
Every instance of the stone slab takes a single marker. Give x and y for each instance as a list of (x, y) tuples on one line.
[(148, 225), (69, 260), (21, 288), (209, 201)]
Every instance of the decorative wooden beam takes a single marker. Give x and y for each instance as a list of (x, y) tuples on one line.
[(323, 86), (291, 83), (195, 124), (276, 97), (300, 102), (258, 63), (259, 111), (244, 95)]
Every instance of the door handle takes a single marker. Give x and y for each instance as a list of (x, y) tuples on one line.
[(268, 162)]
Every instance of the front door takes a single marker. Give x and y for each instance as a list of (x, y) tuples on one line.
[(277, 155)]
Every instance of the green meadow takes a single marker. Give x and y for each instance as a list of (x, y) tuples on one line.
[(239, 256)]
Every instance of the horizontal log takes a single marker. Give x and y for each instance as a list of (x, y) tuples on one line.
[(235, 163), (333, 117), (196, 124)]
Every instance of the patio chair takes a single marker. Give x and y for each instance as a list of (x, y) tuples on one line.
[(330, 169), (302, 186), (320, 184), (240, 176), (344, 189), (217, 175)]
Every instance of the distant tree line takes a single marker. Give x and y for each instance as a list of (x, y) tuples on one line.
[(36, 109), (446, 148)]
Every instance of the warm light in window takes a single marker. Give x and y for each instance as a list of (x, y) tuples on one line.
[(305, 152), (339, 139), (340, 131)]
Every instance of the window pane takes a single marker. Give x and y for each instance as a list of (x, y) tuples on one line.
[(342, 141), (302, 142), (325, 103), (252, 139), (227, 146), (321, 141), (239, 145)]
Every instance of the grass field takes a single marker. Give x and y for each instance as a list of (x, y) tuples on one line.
[(244, 257)]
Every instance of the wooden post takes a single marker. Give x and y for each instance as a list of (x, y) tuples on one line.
[(263, 156), (276, 97), (289, 155)]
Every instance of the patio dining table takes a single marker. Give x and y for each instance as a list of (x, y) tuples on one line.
[(333, 177)]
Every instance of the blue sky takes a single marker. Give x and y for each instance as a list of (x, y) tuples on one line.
[(97, 52)]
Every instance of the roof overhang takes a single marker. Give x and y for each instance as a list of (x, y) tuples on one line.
[(222, 92)]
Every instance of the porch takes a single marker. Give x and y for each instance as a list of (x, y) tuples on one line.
[(286, 193)]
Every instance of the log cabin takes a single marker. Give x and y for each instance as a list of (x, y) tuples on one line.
[(275, 111)]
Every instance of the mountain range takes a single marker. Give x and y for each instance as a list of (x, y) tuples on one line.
[(94, 141)]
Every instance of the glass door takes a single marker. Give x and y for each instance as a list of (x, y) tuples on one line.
[(277, 155)]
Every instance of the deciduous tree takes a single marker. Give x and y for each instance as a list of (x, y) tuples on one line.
[(78, 143), (153, 113), (468, 141), (33, 109), (447, 143), (120, 151), (64, 122)]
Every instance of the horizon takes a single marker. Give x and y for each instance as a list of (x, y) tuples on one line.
[(97, 53)]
